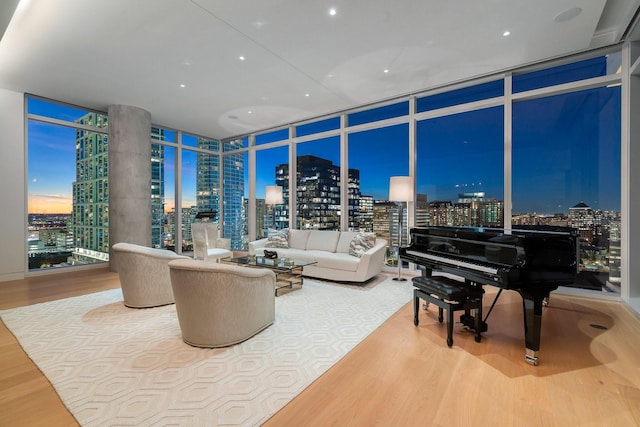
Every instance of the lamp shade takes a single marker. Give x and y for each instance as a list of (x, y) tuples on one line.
[(401, 189), (273, 195)]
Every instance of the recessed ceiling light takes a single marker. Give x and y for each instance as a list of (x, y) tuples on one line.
[(241, 58), (506, 33), (249, 111), (333, 11), (568, 14), (306, 94), (183, 85), (386, 70)]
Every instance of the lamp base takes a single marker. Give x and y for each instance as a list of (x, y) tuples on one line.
[(399, 279)]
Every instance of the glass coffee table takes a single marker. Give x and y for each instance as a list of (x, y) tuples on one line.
[(288, 271)]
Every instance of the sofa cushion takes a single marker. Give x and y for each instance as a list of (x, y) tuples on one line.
[(298, 238), (335, 261), (278, 239), (323, 240), (361, 243), (345, 241)]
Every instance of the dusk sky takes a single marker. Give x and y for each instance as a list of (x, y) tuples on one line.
[(566, 150)]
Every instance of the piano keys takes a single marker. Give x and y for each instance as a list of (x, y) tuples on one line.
[(532, 260)]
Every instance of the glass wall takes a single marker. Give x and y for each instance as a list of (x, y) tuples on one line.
[(68, 199), (566, 171), (272, 168), (459, 174), (559, 165), (375, 156), (235, 191), (318, 184)]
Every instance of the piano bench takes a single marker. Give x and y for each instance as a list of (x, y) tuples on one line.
[(451, 295)]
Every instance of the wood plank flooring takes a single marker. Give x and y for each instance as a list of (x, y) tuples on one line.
[(26, 396), (402, 375)]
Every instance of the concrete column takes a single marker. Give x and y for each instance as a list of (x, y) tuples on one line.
[(129, 176)]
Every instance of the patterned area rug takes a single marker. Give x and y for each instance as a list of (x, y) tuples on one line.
[(117, 366)]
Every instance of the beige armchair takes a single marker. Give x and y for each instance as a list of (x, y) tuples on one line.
[(144, 274), (207, 244), (218, 304)]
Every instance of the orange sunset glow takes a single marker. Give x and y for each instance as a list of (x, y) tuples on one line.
[(49, 204)]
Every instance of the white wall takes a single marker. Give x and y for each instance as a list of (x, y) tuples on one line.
[(13, 217)]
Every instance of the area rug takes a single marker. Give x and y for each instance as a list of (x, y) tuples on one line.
[(116, 366)]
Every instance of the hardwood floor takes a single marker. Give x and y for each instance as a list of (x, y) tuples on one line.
[(402, 375), (26, 396)]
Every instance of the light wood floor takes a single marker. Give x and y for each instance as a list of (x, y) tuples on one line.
[(402, 375)]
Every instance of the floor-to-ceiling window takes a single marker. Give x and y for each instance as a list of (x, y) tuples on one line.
[(318, 184), (68, 203), (163, 201), (374, 157), (459, 170), (235, 192), (567, 163), (200, 189), (272, 169)]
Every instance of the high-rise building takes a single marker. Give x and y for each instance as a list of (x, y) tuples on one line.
[(157, 192), (440, 213), (382, 218), (615, 254), (234, 222), (365, 214), (476, 210), (581, 217), (421, 211), (353, 198), (208, 177), (318, 193), (89, 222)]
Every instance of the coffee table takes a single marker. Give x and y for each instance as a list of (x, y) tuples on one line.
[(288, 271)]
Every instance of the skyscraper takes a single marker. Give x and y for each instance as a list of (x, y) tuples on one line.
[(318, 193), (157, 190), (89, 221), (581, 217), (208, 177), (233, 204)]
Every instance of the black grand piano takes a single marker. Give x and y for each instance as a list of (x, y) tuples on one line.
[(533, 260)]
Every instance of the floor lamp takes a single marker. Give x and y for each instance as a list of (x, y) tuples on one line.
[(400, 190), (273, 197)]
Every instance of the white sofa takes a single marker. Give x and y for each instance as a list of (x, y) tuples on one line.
[(330, 249)]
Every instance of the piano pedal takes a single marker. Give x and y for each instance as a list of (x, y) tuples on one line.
[(469, 321), (531, 357), (425, 305)]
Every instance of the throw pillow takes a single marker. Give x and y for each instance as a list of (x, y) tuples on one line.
[(278, 239), (361, 243)]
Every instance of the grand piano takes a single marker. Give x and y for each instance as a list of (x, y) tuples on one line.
[(532, 260)]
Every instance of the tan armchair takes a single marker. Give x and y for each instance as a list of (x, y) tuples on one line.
[(207, 244), (218, 304), (144, 274)]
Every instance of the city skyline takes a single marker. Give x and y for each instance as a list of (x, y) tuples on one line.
[(558, 157)]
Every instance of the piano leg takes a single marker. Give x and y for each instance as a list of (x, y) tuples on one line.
[(416, 304), (532, 302)]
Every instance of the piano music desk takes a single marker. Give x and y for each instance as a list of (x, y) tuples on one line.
[(451, 295)]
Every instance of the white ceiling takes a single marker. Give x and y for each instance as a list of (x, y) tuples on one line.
[(300, 61)]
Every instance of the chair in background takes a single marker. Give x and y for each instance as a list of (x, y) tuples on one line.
[(219, 304), (207, 244)]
